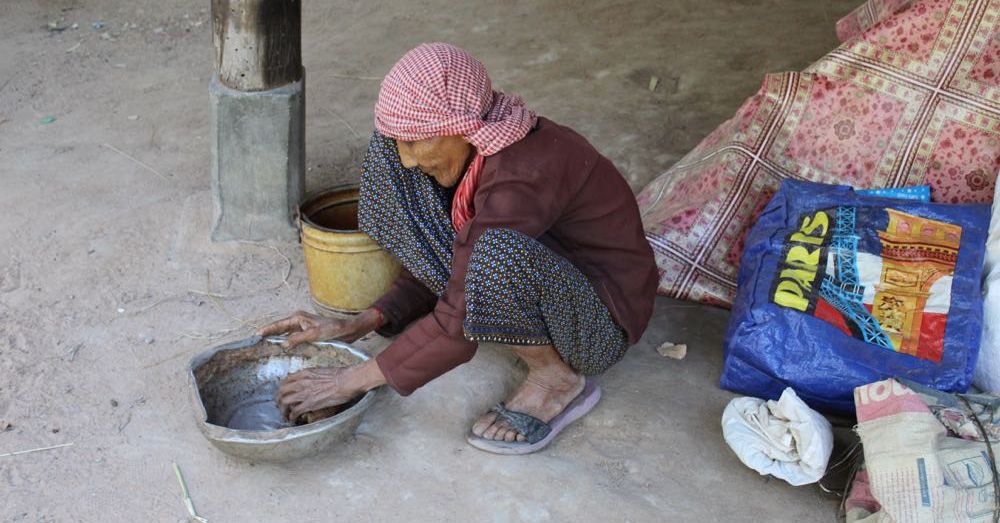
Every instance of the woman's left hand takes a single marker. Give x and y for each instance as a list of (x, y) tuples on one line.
[(318, 388)]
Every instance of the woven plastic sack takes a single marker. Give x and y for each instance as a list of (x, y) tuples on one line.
[(837, 290)]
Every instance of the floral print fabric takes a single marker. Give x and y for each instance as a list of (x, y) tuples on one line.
[(911, 98)]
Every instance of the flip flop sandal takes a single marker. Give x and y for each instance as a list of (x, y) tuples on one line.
[(538, 433)]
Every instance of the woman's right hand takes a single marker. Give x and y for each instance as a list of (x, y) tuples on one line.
[(304, 327)]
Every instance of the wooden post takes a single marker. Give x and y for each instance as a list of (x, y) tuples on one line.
[(258, 118), (258, 43)]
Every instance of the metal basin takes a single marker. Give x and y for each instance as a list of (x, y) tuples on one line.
[(233, 388)]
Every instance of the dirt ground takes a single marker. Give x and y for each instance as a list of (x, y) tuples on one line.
[(105, 262)]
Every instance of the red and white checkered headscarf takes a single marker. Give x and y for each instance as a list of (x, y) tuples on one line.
[(440, 90)]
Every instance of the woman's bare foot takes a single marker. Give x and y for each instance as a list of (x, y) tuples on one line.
[(550, 386)]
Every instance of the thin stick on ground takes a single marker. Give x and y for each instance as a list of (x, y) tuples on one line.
[(288, 262), (216, 300), (245, 325), (284, 279), (134, 159), (29, 451), (156, 304), (73, 352), (225, 297), (249, 327), (187, 496), (212, 335), (218, 304)]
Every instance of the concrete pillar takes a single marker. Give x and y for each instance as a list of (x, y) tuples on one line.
[(257, 118)]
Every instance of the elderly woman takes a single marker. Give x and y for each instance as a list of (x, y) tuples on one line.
[(511, 229)]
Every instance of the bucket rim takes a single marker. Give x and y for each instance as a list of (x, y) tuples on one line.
[(313, 197)]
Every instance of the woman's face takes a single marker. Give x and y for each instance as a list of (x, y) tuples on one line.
[(444, 158)]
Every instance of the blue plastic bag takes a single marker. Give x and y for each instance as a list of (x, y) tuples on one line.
[(920, 193), (837, 290)]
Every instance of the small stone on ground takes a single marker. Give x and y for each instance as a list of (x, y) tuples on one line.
[(672, 350)]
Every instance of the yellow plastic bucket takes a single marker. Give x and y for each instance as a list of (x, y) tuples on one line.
[(347, 270)]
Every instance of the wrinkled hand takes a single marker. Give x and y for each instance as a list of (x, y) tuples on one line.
[(305, 328), (313, 389)]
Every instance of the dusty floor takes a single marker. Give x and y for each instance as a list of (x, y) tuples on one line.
[(100, 253)]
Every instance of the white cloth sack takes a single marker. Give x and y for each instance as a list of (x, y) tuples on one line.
[(783, 438), (987, 373)]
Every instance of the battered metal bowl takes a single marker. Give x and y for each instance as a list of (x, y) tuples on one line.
[(233, 388)]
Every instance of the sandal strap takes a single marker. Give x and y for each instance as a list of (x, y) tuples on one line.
[(532, 428)]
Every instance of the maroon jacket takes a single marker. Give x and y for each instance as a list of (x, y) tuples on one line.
[(551, 185)]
